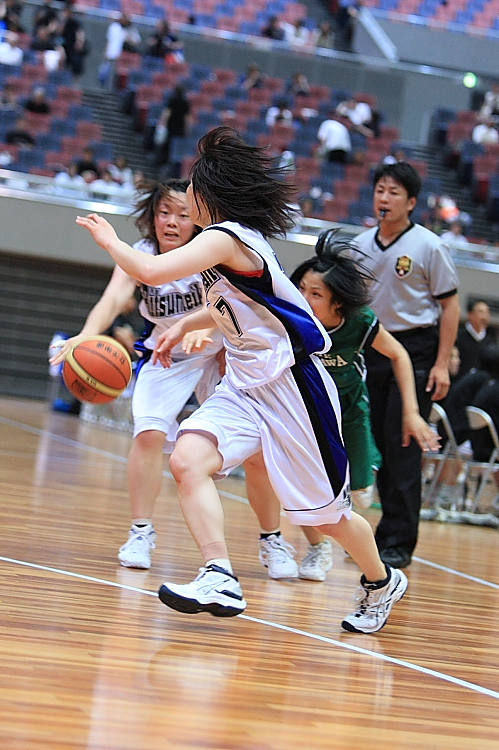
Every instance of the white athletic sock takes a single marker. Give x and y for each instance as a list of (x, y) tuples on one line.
[(222, 562), (141, 521)]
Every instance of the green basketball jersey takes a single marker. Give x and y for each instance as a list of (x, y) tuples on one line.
[(345, 359)]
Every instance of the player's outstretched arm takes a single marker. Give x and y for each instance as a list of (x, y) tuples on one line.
[(202, 252), (413, 425), (117, 293)]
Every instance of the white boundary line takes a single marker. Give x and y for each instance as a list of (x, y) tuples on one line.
[(295, 631), (348, 646)]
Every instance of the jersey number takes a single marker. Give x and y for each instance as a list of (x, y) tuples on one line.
[(224, 308)]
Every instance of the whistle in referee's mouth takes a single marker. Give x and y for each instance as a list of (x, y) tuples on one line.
[(383, 212)]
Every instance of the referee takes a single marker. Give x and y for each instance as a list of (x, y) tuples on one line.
[(414, 295)]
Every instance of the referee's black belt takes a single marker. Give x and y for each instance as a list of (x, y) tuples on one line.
[(418, 331)]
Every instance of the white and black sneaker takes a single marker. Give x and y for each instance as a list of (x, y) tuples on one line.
[(278, 556), (136, 552), (215, 590), (374, 603)]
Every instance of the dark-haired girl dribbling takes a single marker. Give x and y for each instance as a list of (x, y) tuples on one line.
[(276, 395)]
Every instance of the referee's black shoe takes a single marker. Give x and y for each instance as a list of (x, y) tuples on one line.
[(396, 557)]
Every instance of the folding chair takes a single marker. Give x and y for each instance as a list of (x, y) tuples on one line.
[(450, 450), (478, 419)]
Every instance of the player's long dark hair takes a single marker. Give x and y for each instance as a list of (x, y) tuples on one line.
[(151, 193), (241, 183), (346, 278)]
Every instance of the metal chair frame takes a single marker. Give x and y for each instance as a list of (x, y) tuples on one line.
[(478, 419)]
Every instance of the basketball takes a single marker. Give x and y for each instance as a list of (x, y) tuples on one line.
[(97, 370)]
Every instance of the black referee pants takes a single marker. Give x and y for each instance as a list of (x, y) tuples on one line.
[(399, 479)]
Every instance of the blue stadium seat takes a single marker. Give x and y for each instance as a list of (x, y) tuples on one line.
[(63, 127), (32, 158), (48, 141), (81, 112), (102, 151)]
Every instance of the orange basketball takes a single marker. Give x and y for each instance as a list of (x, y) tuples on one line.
[(97, 370)]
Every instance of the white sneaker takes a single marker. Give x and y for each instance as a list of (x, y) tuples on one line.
[(317, 561), (278, 556), (215, 590), (136, 552), (363, 498), (374, 605)]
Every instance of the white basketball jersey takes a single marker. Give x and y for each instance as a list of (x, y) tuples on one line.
[(163, 305), (266, 323)]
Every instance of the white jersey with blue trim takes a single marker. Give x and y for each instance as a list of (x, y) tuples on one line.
[(163, 305), (266, 323)]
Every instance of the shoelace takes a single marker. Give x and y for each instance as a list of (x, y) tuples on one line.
[(312, 556), (282, 548)]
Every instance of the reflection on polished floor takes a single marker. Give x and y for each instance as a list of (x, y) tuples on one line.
[(91, 659)]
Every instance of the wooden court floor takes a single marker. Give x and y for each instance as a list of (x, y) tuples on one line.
[(91, 659)]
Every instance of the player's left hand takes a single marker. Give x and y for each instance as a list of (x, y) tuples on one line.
[(100, 229), (438, 382), (196, 341), (414, 426)]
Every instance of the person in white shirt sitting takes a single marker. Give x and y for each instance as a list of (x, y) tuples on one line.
[(359, 114), (279, 114), (334, 139), (454, 235), (296, 33), (69, 183), (105, 188), (485, 133), (10, 53)]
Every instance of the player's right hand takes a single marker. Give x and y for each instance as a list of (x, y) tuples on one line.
[(62, 348), (166, 342)]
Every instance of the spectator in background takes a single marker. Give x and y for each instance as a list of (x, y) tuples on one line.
[(397, 154), (45, 41), (323, 37), (279, 113), (74, 42), (87, 163), (487, 398), (296, 33), (473, 337), (335, 142), (163, 42), (12, 17), (253, 78), (19, 135), (9, 100), (10, 53), (115, 39), (121, 171), (299, 85), (274, 29), (104, 187), (132, 41), (69, 183), (359, 114), (122, 328), (174, 119), (485, 133), (454, 235), (490, 104), (45, 16), (37, 102)]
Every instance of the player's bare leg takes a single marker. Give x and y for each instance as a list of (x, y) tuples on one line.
[(145, 477), (215, 590), (275, 553)]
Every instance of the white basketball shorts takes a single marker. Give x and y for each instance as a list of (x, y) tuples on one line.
[(161, 393), (298, 429)]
